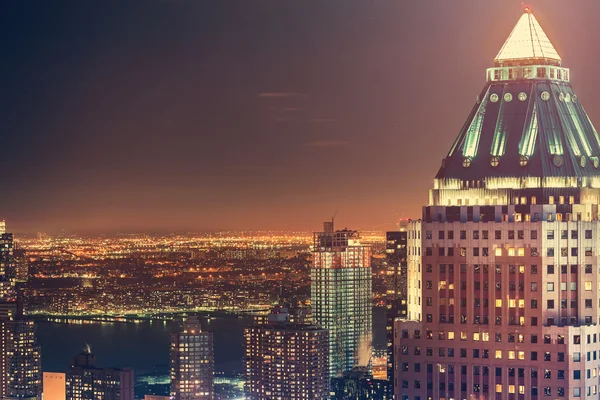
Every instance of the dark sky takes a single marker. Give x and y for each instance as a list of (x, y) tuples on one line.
[(248, 114)]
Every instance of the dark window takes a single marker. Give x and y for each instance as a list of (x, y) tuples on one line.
[(533, 235), (588, 233)]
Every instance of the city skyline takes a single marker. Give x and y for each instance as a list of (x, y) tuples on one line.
[(261, 127)]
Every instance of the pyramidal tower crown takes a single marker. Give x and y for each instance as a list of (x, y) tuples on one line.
[(527, 130), (528, 43)]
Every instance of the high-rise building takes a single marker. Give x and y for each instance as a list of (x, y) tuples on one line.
[(55, 386), (86, 381), (192, 363), (341, 296), (396, 259), (25, 362), (286, 360), (7, 268), (509, 300)]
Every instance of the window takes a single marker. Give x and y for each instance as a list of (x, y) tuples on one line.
[(577, 374), (533, 234), (511, 234), (533, 304), (498, 354), (550, 252), (463, 235), (550, 269), (550, 286), (441, 235), (587, 285), (574, 251), (498, 235), (588, 268), (498, 251), (450, 235), (550, 234), (588, 234), (573, 234), (550, 304)]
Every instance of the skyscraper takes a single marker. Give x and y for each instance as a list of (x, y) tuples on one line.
[(192, 363), (86, 381), (286, 360), (396, 243), (25, 363), (341, 296), (7, 267), (508, 306)]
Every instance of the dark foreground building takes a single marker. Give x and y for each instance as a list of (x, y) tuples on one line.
[(85, 381)]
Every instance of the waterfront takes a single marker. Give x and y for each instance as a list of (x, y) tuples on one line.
[(145, 346)]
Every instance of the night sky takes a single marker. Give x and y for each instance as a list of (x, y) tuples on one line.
[(248, 114)]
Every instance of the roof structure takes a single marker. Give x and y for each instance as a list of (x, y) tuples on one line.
[(527, 41), (527, 122)]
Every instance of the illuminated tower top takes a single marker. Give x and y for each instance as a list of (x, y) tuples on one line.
[(528, 129), (528, 43)]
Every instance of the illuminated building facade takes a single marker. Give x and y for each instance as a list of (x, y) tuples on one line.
[(508, 270), (396, 254), (341, 296), (7, 268), (192, 363), (85, 381), (25, 361), (286, 360), (55, 386)]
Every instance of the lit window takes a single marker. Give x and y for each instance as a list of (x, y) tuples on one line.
[(498, 388), (498, 302), (521, 355), (588, 285), (521, 303), (521, 252), (498, 354), (511, 252), (498, 251), (511, 355), (476, 336)]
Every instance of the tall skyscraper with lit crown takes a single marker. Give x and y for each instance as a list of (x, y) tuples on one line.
[(341, 296), (507, 305)]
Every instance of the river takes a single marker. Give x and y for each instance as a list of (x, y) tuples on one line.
[(145, 346)]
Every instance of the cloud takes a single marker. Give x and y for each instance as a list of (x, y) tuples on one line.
[(328, 143), (278, 95), (321, 120)]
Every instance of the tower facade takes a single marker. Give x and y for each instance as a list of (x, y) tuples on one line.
[(286, 360), (192, 363), (341, 296), (507, 271), (396, 254), (8, 275)]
